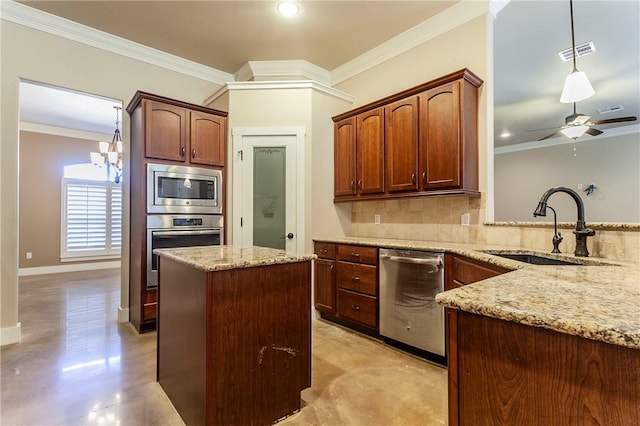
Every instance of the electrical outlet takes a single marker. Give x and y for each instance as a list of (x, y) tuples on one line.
[(465, 218), (376, 219), (29, 255)]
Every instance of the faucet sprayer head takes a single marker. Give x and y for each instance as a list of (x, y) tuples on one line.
[(541, 210)]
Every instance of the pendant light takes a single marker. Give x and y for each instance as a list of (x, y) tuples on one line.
[(111, 153), (576, 85)]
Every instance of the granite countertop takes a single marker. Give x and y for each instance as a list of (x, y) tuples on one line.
[(220, 258), (598, 301)]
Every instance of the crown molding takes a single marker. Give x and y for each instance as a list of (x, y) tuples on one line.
[(562, 140), (294, 69), (279, 85), (26, 126), (450, 18), (46, 22)]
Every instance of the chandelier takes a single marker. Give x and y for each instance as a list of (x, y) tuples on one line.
[(110, 154)]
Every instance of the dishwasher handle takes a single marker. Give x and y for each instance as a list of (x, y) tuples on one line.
[(434, 261)]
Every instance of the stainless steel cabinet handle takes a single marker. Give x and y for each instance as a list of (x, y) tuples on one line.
[(360, 184), (355, 279), (413, 178), (424, 177), (182, 150), (355, 254), (193, 153), (355, 307), (353, 185)]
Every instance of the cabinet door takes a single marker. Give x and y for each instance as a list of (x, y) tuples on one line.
[(440, 137), (325, 285), (165, 131), (207, 139), (401, 145), (370, 151), (344, 155)]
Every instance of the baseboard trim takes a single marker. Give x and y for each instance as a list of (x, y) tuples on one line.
[(42, 270), (10, 335), (123, 314)]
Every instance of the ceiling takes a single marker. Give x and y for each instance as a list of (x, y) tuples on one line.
[(527, 36)]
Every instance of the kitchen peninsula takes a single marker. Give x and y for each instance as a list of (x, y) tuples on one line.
[(536, 344), (234, 332)]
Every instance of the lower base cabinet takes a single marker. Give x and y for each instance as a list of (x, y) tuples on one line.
[(346, 285)]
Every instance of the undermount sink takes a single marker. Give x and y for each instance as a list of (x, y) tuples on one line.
[(535, 259), (539, 259)]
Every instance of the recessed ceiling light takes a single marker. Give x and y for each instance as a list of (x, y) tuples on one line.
[(288, 8), (505, 134)]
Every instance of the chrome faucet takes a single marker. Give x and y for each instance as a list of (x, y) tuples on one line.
[(581, 232)]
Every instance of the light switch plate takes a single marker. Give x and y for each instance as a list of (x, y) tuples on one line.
[(465, 218), (376, 219)]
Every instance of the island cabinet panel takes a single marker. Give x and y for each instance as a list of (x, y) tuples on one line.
[(234, 346), (401, 145), (460, 271), (370, 152), (344, 146), (512, 374), (419, 142)]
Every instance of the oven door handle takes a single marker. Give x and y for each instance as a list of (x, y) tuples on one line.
[(194, 232)]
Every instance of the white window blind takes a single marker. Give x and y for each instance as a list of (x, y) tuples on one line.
[(91, 218)]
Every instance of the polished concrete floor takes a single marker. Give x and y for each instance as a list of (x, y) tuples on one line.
[(77, 366)]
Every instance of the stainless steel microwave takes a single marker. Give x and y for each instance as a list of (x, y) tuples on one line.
[(181, 189)]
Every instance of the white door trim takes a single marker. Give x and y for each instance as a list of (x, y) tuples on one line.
[(237, 136)]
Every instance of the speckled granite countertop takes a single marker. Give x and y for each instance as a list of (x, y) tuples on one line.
[(220, 258), (599, 301)]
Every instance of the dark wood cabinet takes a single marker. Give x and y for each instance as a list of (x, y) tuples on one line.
[(181, 134), (164, 131), (324, 290), (419, 142), (370, 152), (346, 285), (401, 145), (344, 154), (460, 271)]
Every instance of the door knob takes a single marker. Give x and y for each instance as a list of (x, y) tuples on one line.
[(289, 236)]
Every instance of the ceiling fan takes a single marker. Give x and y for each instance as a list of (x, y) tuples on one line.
[(578, 124)]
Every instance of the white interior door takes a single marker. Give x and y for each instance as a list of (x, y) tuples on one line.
[(268, 185)]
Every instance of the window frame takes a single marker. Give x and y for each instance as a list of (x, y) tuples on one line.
[(109, 252)]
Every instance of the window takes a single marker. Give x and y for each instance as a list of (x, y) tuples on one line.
[(91, 217)]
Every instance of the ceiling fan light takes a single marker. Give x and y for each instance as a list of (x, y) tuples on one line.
[(576, 88), (574, 132)]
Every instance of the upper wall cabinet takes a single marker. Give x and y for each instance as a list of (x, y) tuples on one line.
[(420, 142), (175, 131)]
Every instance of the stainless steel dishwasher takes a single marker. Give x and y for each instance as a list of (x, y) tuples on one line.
[(409, 314)]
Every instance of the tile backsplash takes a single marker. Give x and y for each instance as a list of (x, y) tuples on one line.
[(439, 219)]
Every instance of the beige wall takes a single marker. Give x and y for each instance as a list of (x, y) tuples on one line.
[(38, 56), (613, 164), (42, 160)]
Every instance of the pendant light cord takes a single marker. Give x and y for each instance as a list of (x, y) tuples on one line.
[(573, 38)]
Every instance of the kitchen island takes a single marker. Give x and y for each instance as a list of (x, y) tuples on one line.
[(541, 344), (234, 332)]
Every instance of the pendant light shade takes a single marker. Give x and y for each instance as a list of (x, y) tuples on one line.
[(576, 86), (111, 153)]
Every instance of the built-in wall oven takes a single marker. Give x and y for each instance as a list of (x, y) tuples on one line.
[(171, 231), (182, 189)]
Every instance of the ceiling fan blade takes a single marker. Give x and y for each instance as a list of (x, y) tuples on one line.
[(614, 120), (544, 128), (551, 136), (593, 132)]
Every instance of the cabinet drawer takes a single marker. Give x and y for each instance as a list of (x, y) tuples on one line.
[(466, 271), (361, 278), (359, 254), (358, 307), (325, 250), (149, 311)]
